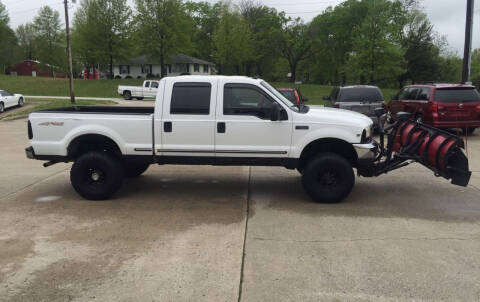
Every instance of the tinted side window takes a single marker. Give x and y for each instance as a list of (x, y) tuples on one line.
[(191, 98), (241, 99), (424, 94), (457, 95), (360, 95), (412, 93), (154, 85), (147, 84), (403, 94)]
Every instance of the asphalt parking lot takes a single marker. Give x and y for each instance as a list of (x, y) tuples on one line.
[(200, 233)]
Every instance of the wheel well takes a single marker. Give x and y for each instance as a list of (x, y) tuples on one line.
[(92, 142), (127, 91), (333, 145)]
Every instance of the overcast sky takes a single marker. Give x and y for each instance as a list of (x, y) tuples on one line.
[(448, 16)]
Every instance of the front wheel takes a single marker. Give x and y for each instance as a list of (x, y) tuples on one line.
[(96, 175), (127, 95), (2, 107), (139, 98), (135, 169), (328, 178), (21, 102)]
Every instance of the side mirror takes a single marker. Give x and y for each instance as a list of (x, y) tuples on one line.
[(379, 112), (304, 100), (275, 112), (403, 116), (326, 98)]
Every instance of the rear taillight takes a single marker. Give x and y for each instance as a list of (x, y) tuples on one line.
[(478, 108), (30, 131), (336, 105), (433, 107)]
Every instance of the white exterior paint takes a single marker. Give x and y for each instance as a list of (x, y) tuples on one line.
[(196, 135), (136, 70), (148, 89), (9, 99)]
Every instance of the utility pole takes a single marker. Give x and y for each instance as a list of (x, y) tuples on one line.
[(69, 53), (467, 55)]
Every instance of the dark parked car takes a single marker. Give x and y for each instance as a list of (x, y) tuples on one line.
[(360, 98), (440, 105), (293, 94)]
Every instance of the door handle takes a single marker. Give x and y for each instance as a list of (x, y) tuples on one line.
[(167, 127), (221, 127)]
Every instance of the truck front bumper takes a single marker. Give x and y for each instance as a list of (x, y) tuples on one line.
[(368, 151)]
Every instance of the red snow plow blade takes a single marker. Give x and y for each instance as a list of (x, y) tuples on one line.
[(410, 141)]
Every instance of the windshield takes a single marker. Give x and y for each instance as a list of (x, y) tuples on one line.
[(289, 95), (280, 96), (457, 95)]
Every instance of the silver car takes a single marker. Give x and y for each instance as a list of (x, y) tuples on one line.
[(359, 98)]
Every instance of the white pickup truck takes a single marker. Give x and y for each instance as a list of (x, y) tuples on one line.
[(209, 120), (149, 89)]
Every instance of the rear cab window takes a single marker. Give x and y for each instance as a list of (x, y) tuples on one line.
[(366, 94), (191, 98), (457, 95)]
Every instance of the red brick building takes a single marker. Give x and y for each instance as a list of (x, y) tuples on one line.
[(33, 68)]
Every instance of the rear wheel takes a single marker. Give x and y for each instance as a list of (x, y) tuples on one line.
[(328, 178), (20, 102), (96, 175), (135, 169), (468, 131), (2, 107), (127, 95), (139, 98)]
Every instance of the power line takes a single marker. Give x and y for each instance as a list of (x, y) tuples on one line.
[(309, 12)]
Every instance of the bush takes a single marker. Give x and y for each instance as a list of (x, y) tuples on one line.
[(118, 77), (139, 77), (150, 76), (128, 77)]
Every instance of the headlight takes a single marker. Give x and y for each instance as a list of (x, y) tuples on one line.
[(367, 134)]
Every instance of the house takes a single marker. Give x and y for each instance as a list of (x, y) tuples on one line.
[(175, 65), (33, 68)]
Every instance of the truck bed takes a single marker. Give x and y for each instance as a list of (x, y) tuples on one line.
[(123, 110)]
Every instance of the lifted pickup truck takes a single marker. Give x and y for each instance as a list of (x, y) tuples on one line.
[(209, 120), (149, 89)]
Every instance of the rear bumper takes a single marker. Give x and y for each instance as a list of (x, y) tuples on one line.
[(30, 153), (455, 124)]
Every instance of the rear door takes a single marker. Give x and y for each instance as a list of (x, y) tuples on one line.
[(457, 104), (188, 119)]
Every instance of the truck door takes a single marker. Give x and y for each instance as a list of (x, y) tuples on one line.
[(152, 92), (188, 120), (244, 128)]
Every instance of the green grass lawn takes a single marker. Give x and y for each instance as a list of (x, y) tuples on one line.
[(108, 88), (34, 105)]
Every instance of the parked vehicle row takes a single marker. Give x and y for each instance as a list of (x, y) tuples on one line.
[(8, 100)]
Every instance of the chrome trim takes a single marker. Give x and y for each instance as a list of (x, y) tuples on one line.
[(366, 151)]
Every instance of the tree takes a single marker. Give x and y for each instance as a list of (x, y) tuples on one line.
[(266, 27), (475, 70), (233, 42), (26, 39), (83, 42), (163, 28), (296, 44), (111, 22), (376, 55), (49, 38), (8, 46)]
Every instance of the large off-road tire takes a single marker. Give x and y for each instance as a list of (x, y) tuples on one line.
[(127, 95), (2, 107), (139, 98), (135, 168), (328, 178), (96, 175), (21, 102)]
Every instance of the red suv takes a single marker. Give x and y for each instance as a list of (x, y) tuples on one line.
[(440, 105)]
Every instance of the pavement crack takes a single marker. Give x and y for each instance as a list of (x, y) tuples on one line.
[(32, 184), (365, 239), (240, 285)]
